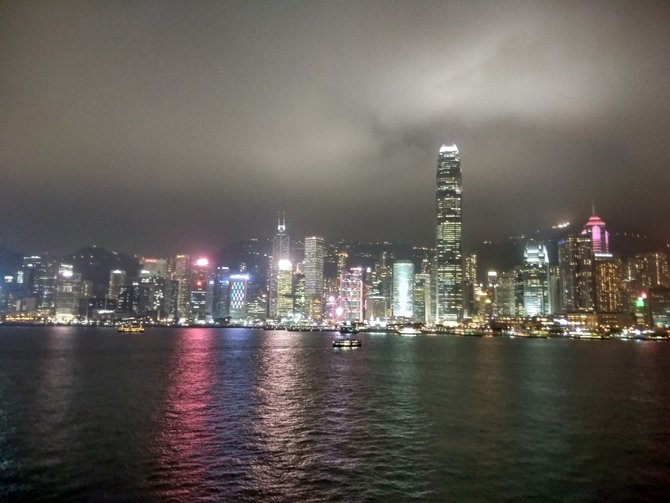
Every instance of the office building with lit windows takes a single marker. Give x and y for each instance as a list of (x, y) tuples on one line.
[(535, 277), (575, 263), (314, 263), (403, 289), (280, 256), (449, 261)]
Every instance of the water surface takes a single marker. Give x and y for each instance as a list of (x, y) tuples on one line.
[(236, 414)]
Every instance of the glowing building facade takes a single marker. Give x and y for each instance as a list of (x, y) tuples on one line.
[(608, 284), (284, 292), (595, 229), (449, 262), (314, 262), (182, 273), (575, 262), (117, 278), (238, 296), (280, 254), (403, 289), (535, 277), (351, 295)]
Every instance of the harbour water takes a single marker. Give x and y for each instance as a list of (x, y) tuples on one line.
[(252, 415)]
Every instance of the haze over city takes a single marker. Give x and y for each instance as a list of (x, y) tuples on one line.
[(158, 127)]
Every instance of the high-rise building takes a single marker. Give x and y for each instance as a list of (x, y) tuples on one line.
[(351, 295), (314, 263), (280, 255), (117, 278), (422, 297), (575, 263), (238, 296), (284, 292), (201, 291), (469, 285), (506, 298), (449, 262), (651, 270), (182, 275), (67, 294), (535, 274), (221, 296), (403, 289), (608, 284), (595, 229)]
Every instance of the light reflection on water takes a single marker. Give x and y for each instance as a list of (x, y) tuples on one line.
[(248, 415)]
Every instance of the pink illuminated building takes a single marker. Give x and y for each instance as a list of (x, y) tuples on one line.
[(595, 227)]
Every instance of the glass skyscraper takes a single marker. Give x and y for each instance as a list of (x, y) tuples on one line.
[(403, 289), (449, 261), (314, 261)]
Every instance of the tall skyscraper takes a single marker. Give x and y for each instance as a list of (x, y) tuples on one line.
[(351, 294), (449, 261), (608, 284), (117, 278), (535, 275), (575, 263), (314, 262), (595, 228), (182, 275), (403, 289), (284, 293), (238, 296), (280, 255), (651, 270)]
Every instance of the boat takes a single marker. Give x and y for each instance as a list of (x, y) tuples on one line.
[(347, 343), (348, 329), (130, 329)]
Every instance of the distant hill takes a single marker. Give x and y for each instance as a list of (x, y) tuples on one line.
[(95, 263), (10, 262)]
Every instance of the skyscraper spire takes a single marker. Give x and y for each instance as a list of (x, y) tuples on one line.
[(595, 227)]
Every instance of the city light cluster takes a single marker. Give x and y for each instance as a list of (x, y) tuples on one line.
[(571, 284)]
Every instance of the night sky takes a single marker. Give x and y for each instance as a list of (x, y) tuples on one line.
[(159, 127)]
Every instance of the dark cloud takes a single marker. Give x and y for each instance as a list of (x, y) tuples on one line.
[(157, 127)]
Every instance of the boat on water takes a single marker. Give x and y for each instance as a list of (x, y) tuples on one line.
[(130, 329), (347, 343)]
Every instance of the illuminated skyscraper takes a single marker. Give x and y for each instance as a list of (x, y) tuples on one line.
[(182, 273), (67, 294), (221, 287), (422, 297), (535, 274), (314, 261), (238, 296), (280, 253), (575, 263), (117, 278), (284, 293), (449, 262), (403, 289), (351, 293), (595, 228), (608, 284), (651, 270), (201, 291)]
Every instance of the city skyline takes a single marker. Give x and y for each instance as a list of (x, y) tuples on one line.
[(157, 129)]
